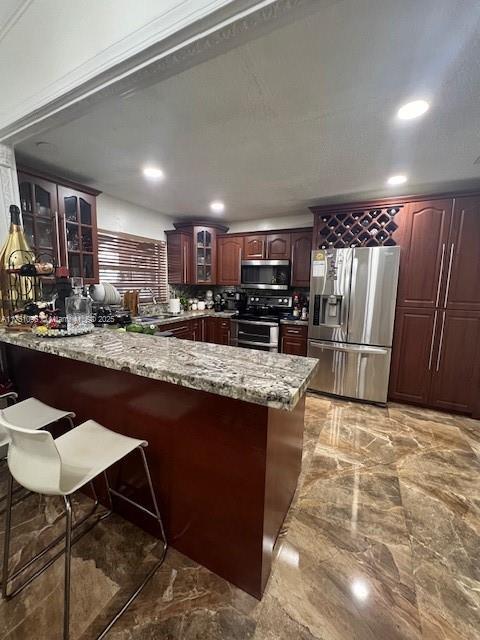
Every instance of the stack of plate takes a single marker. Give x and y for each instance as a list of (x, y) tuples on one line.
[(105, 293)]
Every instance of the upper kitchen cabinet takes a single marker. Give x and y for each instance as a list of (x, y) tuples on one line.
[(301, 252), (462, 259), (229, 258), (179, 257), (255, 247), (77, 214), (60, 222), (38, 199), (425, 259), (192, 253), (278, 246), (272, 246)]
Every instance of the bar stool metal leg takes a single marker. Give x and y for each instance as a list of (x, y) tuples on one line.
[(7, 534), (156, 566), (47, 548), (68, 563)]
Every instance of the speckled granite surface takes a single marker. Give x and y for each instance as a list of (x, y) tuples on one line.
[(274, 380), (302, 323), (191, 315)]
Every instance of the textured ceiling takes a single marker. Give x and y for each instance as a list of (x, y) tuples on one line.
[(301, 115)]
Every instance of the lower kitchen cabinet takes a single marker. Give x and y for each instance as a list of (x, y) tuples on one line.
[(187, 330), (293, 339), (436, 359), (217, 330), (412, 356), (455, 372)]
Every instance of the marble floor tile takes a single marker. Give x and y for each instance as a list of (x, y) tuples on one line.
[(382, 542)]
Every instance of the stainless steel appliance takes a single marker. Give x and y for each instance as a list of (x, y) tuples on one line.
[(352, 310), (258, 325), (265, 274)]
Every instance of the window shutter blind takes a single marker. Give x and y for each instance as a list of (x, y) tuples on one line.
[(132, 262)]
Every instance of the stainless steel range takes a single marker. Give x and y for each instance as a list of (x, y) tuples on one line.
[(258, 325), (352, 309)]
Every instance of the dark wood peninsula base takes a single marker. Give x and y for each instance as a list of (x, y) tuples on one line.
[(225, 470)]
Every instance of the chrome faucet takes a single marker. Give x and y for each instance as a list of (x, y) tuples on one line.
[(154, 298)]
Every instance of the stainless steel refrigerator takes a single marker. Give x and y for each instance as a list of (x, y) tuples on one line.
[(352, 310)]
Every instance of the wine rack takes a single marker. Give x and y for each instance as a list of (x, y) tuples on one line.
[(372, 227)]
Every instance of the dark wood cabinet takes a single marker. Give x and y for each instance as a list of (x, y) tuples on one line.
[(60, 221), (77, 215), (217, 330), (192, 253), (456, 362), (437, 333), (277, 246), (301, 252), (255, 247), (189, 329), (462, 289), (179, 257), (293, 339), (412, 356), (229, 257), (425, 253), (39, 204)]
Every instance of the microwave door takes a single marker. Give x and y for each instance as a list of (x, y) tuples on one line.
[(265, 274)]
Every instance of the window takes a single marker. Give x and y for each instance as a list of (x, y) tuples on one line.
[(132, 262)]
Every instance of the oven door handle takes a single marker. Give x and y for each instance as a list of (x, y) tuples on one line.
[(258, 344), (256, 322)]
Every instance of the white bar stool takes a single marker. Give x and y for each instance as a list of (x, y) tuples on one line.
[(59, 468), (29, 414)]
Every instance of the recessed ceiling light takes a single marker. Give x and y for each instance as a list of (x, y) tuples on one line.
[(217, 206), (398, 179), (153, 173), (413, 109)]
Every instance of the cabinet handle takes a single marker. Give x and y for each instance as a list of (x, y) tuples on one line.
[(452, 248), (433, 340), (293, 330), (441, 343), (57, 234), (440, 274), (66, 241), (184, 264)]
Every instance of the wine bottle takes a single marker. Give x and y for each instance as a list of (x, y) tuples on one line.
[(15, 291)]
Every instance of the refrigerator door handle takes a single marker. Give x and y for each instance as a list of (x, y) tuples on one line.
[(433, 340), (351, 348)]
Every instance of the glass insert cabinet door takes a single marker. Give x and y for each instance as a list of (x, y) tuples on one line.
[(204, 254), (39, 204), (78, 219)]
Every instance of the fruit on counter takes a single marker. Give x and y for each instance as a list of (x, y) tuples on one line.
[(150, 329), (41, 330)]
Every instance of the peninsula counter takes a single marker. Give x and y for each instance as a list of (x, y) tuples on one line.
[(224, 426)]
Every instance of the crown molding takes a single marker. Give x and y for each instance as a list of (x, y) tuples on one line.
[(231, 24), (14, 18)]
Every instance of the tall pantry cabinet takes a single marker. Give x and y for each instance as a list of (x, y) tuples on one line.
[(436, 351)]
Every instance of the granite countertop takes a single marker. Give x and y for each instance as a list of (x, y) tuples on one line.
[(270, 379), (303, 323), (191, 315)]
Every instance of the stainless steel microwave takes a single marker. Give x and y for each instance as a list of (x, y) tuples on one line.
[(265, 274)]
